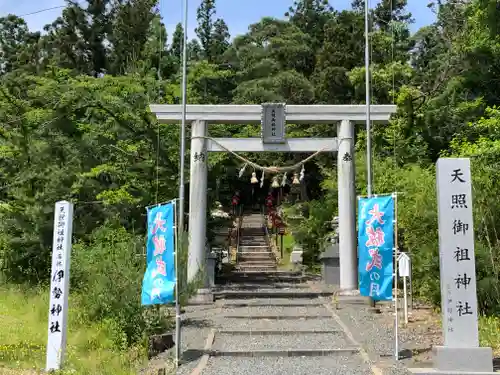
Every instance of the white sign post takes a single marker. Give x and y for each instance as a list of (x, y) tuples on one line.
[(404, 272), (461, 351), (59, 285)]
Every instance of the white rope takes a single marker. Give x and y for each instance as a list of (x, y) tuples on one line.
[(272, 169)]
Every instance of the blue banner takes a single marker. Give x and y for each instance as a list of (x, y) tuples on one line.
[(158, 285), (375, 244)]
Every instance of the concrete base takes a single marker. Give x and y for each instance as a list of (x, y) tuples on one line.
[(463, 359), (210, 270), (351, 293), (460, 361), (202, 297)]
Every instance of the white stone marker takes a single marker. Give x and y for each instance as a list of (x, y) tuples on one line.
[(59, 285), (461, 350)]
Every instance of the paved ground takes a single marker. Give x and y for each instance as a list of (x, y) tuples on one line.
[(279, 336)]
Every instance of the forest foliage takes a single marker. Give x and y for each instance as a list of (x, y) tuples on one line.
[(76, 126)]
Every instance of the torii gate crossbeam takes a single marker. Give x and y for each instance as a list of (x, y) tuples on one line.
[(345, 115)]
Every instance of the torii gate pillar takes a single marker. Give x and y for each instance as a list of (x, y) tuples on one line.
[(201, 115), (346, 186), (197, 199)]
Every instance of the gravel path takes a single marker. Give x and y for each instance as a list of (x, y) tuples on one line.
[(368, 330), (228, 342), (375, 336), (336, 365), (197, 323)]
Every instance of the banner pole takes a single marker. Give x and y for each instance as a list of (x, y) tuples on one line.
[(177, 302), (396, 323)]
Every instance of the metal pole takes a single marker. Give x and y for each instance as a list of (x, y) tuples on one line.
[(181, 178), (177, 298), (183, 121), (396, 320), (368, 99), (281, 246), (405, 294), (411, 285), (368, 124)]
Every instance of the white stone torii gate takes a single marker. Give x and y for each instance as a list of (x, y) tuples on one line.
[(202, 115)]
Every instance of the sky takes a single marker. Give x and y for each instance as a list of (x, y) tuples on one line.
[(238, 14)]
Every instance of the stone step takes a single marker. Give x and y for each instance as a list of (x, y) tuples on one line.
[(268, 274), (271, 266), (255, 257), (263, 281), (258, 250), (257, 286), (254, 249), (260, 278), (280, 302), (229, 343), (277, 324), (273, 332), (275, 293), (277, 317), (251, 264), (265, 258), (256, 267), (273, 353)]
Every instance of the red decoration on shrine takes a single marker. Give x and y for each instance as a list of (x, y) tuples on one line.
[(236, 200), (269, 200)]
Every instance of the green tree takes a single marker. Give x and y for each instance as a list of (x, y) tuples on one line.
[(19, 48), (311, 16), (76, 40), (177, 42), (220, 41), (205, 16), (130, 30)]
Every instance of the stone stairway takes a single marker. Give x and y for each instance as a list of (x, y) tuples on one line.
[(274, 327), (255, 255)]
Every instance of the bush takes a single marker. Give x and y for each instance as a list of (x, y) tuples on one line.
[(311, 230), (108, 272), (91, 347)]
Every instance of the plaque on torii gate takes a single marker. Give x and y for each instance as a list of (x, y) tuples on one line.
[(273, 123)]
